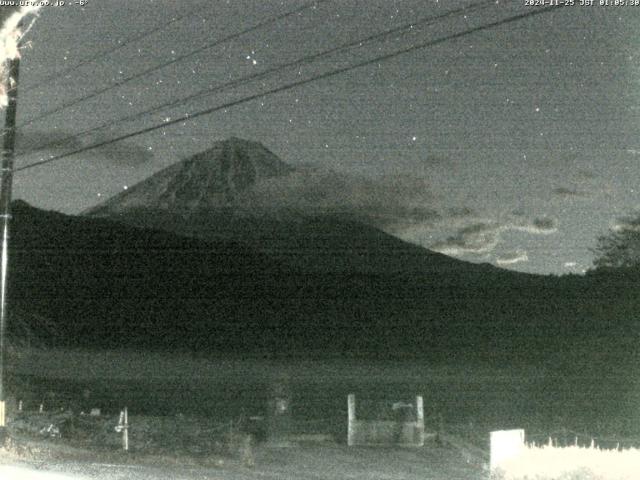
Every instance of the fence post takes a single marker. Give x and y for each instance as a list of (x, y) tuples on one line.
[(125, 431), (420, 420), (279, 412), (505, 444), (123, 426), (351, 406)]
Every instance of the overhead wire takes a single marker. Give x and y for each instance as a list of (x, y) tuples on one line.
[(207, 92), (289, 86), (173, 61), (109, 51)]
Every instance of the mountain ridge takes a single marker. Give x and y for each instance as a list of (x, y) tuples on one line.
[(212, 178), (307, 231), (249, 280), (106, 284)]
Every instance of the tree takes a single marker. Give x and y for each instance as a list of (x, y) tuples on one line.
[(621, 246)]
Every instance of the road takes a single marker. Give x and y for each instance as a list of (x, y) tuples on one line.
[(98, 471), (312, 462)]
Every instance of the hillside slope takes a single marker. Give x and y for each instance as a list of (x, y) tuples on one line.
[(106, 284)]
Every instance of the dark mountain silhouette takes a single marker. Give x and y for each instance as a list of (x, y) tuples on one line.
[(240, 191), (106, 284), (207, 255)]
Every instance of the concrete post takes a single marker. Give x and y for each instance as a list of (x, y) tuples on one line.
[(419, 420), (125, 431), (351, 406)]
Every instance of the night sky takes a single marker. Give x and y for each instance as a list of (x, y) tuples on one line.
[(523, 137)]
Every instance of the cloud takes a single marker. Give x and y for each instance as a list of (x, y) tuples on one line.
[(512, 257), (435, 160), (626, 224), (460, 212), (586, 175), (394, 203), (56, 142), (484, 236), (123, 153), (539, 226), (476, 238), (567, 192)]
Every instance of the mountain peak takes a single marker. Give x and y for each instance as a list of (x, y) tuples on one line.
[(209, 179), (240, 141)]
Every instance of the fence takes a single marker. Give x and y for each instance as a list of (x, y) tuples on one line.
[(401, 431), (514, 459)]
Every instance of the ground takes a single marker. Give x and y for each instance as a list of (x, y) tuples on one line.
[(200, 416), (328, 461)]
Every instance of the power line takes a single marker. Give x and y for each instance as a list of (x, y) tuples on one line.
[(114, 49), (256, 76), (124, 81), (298, 83)]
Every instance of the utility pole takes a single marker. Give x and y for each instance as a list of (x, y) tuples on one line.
[(12, 67)]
